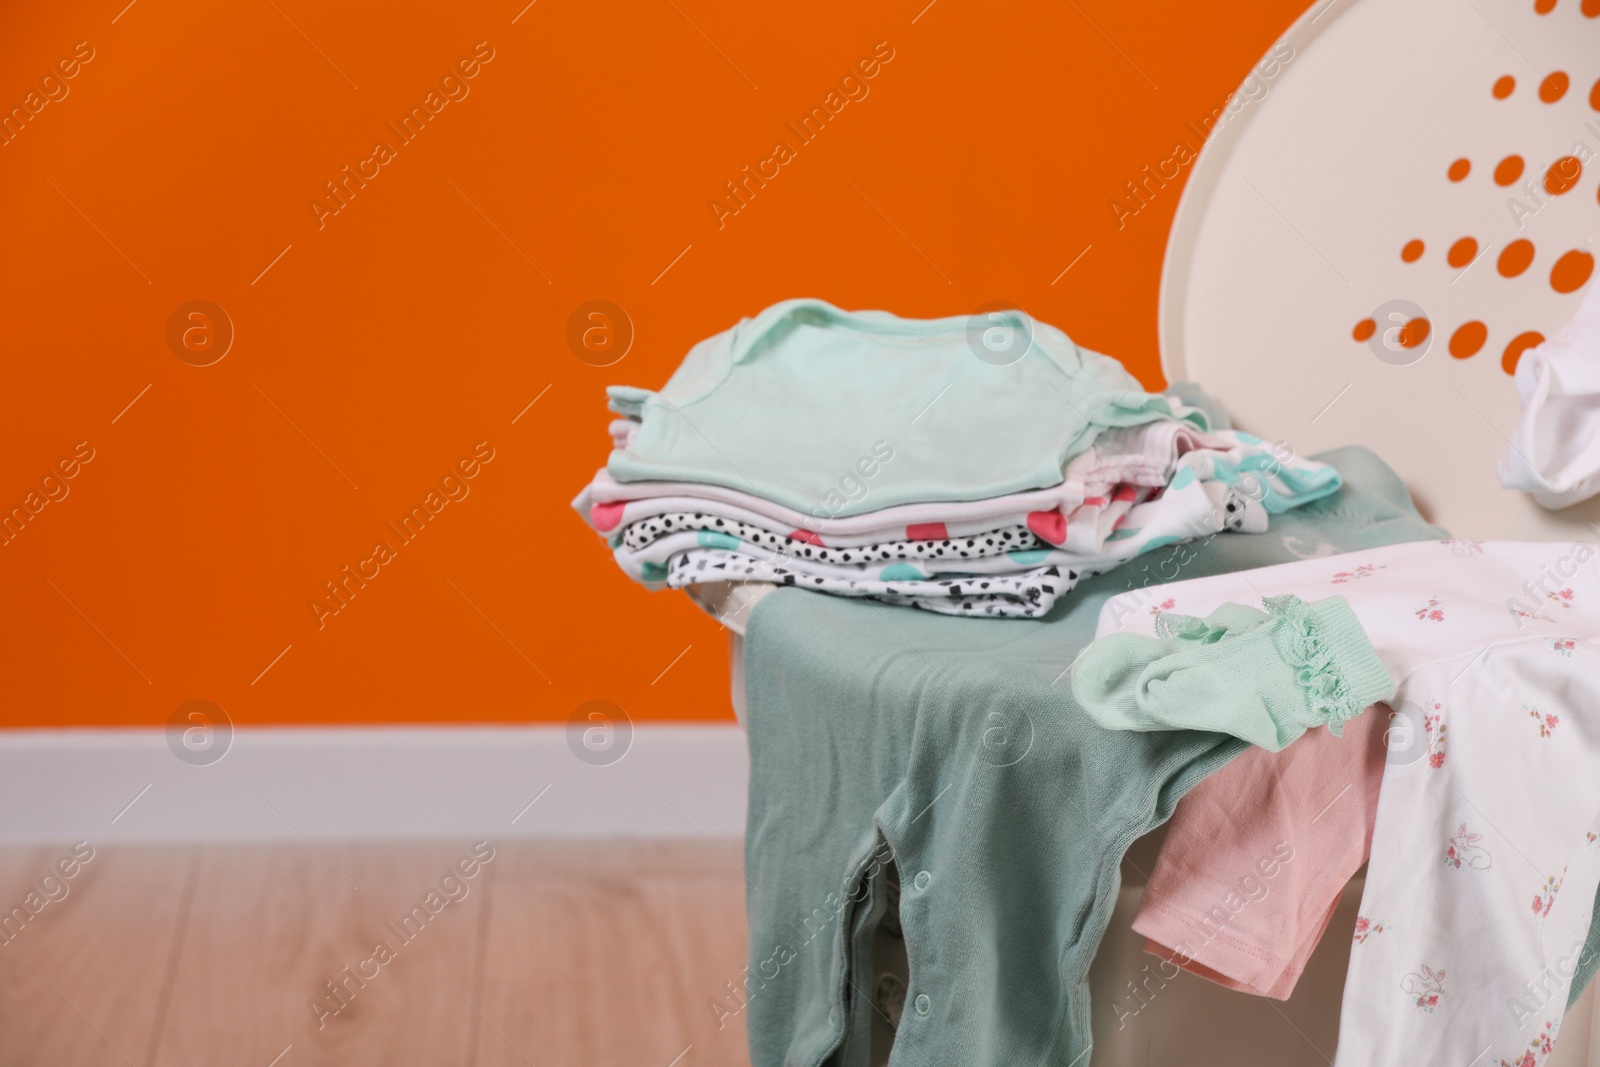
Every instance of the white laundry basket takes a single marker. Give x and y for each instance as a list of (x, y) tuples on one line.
[(1406, 159), (1397, 166)]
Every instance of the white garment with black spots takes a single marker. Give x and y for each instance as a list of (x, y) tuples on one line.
[(1235, 513), (642, 534), (1023, 595), (1022, 584), (1195, 509)]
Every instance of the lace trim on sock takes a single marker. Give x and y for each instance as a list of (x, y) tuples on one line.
[(1174, 624), (1315, 668)]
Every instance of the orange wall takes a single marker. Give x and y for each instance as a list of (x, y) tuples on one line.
[(390, 338)]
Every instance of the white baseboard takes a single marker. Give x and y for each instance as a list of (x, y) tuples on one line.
[(675, 781)]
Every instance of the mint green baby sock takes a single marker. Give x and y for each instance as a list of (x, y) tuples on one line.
[(1265, 678), (1175, 633)]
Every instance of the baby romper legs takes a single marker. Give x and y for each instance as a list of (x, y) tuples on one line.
[(1485, 861)]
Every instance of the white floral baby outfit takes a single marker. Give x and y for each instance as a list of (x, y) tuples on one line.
[(1486, 848)]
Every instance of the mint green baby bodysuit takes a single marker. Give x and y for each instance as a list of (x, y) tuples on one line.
[(959, 750), (800, 404)]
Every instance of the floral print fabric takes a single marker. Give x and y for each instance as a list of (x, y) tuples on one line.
[(1486, 846)]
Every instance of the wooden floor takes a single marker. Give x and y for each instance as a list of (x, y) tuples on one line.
[(590, 954)]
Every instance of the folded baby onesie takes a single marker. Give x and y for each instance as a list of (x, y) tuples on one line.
[(1186, 484), (1139, 456), (1554, 453), (638, 536), (1476, 917), (1257, 856), (1019, 583), (1064, 514), (1144, 454), (787, 404)]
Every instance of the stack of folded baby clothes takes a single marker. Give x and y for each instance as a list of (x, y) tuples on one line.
[(965, 467)]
